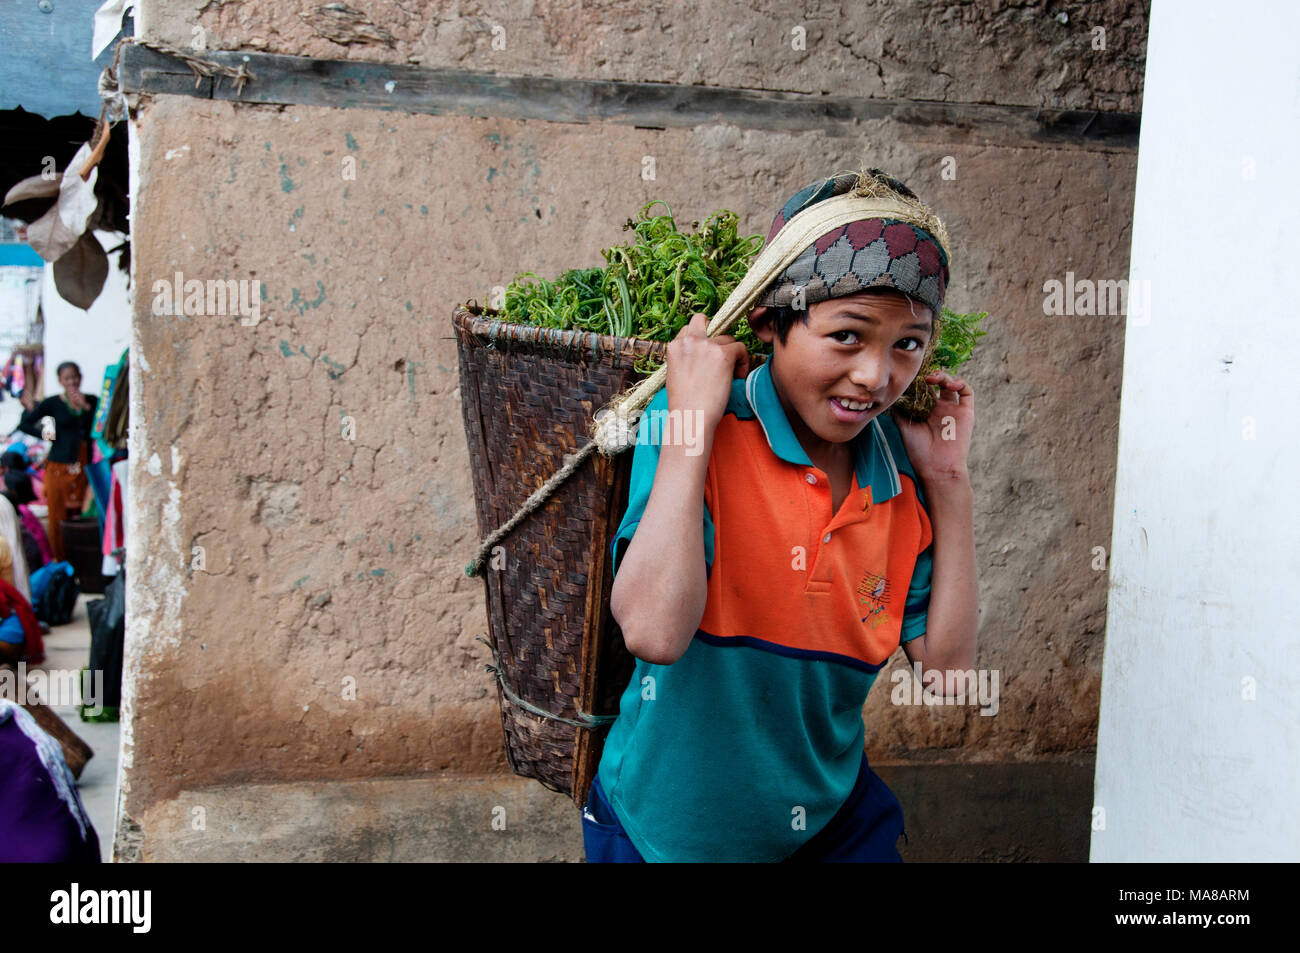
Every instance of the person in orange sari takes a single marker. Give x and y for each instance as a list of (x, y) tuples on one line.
[(73, 412)]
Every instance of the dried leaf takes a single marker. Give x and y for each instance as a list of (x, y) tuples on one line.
[(37, 187), (80, 274), (55, 232)]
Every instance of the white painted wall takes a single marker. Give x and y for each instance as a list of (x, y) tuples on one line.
[(1205, 559), (93, 338), (138, 525), (20, 293)]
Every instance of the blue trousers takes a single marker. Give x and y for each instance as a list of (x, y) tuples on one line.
[(864, 830)]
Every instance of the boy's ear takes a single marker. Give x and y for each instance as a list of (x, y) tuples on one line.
[(760, 322)]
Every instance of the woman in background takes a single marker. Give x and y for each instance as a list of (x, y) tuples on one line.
[(65, 468)]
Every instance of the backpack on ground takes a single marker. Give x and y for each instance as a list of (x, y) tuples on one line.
[(54, 593)]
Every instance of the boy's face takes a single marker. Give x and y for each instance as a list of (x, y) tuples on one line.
[(865, 347)]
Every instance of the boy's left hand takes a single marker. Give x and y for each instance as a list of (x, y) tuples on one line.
[(939, 446)]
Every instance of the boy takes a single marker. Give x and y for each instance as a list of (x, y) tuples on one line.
[(831, 532)]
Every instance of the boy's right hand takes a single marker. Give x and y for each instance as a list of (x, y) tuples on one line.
[(701, 369)]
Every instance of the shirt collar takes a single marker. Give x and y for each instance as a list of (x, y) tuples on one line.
[(873, 461)]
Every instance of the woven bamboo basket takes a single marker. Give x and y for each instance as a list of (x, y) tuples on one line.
[(528, 395)]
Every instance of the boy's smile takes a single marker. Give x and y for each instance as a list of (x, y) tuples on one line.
[(854, 358)]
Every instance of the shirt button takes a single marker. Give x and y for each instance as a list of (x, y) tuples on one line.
[(811, 478), (826, 538)]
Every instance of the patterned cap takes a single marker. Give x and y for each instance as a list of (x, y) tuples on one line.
[(871, 253)]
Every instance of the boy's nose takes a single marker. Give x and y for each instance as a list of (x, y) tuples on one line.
[(870, 372)]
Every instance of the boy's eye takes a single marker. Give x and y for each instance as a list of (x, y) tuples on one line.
[(908, 344)]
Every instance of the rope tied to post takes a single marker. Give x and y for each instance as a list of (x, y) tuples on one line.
[(200, 67)]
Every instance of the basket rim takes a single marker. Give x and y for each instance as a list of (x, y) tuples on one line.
[(487, 330)]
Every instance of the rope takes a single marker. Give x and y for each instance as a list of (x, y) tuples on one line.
[(571, 463), (113, 109), (202, 69), (582, 721)]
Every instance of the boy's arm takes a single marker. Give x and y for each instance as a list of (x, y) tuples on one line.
[(661, 587), (949, 640), (661, 584), (938, 449)]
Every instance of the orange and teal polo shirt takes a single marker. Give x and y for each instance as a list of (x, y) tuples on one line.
[(748, 744)]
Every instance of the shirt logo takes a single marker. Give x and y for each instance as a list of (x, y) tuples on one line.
[(873, 595)]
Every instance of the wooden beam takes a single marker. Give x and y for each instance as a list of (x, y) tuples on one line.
[(348, 84)]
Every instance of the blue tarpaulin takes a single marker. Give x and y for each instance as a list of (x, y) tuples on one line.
[(45, 63)]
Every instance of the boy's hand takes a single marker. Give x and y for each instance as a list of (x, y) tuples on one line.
[(939, 446), (701, 368)]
